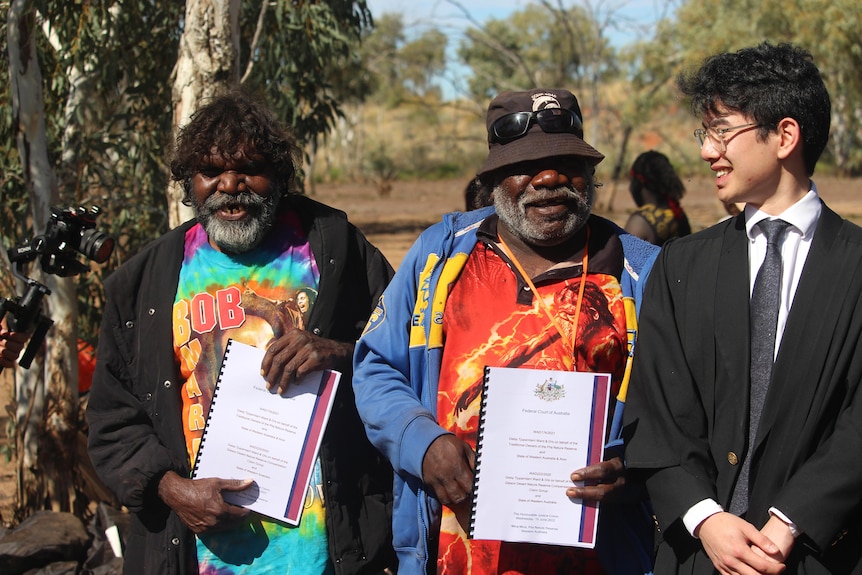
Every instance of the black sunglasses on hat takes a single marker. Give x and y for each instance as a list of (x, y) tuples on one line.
[(533, 125), (551, 120)]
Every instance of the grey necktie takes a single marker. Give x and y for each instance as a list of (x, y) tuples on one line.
[(763, 310)]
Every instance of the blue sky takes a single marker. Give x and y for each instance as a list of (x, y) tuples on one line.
[(629, 18)]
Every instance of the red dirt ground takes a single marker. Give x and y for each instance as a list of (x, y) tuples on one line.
[(392, 223)]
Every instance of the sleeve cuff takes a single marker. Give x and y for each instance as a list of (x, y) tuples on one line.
[(794, 530), (698, 513), (418, 436)]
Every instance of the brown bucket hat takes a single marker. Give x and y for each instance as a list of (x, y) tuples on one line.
[(535, 124)]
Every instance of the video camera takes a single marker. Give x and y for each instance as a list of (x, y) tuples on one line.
[(69, 232)]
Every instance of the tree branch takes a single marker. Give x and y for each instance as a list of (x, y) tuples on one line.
[(261, 18), (491, 42)]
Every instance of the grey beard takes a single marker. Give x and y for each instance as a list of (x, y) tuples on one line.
[(241, 236), (513, 214)]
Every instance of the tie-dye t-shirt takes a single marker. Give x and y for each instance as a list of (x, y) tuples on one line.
[(251, 298)]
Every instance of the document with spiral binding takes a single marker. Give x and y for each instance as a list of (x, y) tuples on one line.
[(535, 428), (255, 433)]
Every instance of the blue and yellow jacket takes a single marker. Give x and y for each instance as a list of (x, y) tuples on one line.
[(397, 367)]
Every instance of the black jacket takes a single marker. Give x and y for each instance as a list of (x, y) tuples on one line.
[(134, 409), (688, 402)]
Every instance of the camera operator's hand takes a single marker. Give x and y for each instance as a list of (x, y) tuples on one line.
[(199, 502), (11, 344)]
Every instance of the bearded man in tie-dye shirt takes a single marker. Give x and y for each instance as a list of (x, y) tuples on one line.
[(242, 269)]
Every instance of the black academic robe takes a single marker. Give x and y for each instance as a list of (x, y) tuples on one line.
[(687, 410)]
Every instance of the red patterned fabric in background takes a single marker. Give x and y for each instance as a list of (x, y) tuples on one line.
[(86, 366)]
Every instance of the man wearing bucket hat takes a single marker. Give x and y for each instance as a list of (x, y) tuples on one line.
[(462, 299)]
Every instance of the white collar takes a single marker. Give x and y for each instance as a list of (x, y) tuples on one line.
[(802, 215)]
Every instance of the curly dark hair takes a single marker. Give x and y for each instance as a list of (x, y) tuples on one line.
[(476, 195), (767, 83), (227, 124), (654, 171)]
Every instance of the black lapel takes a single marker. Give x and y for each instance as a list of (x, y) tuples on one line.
[(731, 331)]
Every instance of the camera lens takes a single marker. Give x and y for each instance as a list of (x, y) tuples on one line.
[(96, 245)]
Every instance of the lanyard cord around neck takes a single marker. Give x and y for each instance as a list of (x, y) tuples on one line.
[(570, 344)]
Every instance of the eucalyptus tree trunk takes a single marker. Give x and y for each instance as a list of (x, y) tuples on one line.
[(47, 394), (207, 64), (841, 138)]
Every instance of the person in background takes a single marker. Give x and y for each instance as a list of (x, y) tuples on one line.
[(535, 281), (745, 412), (476, 196), (169, 313), (732, 209), (656, 190)]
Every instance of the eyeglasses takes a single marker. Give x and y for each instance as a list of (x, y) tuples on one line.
[(551, 120), (716, 135)]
